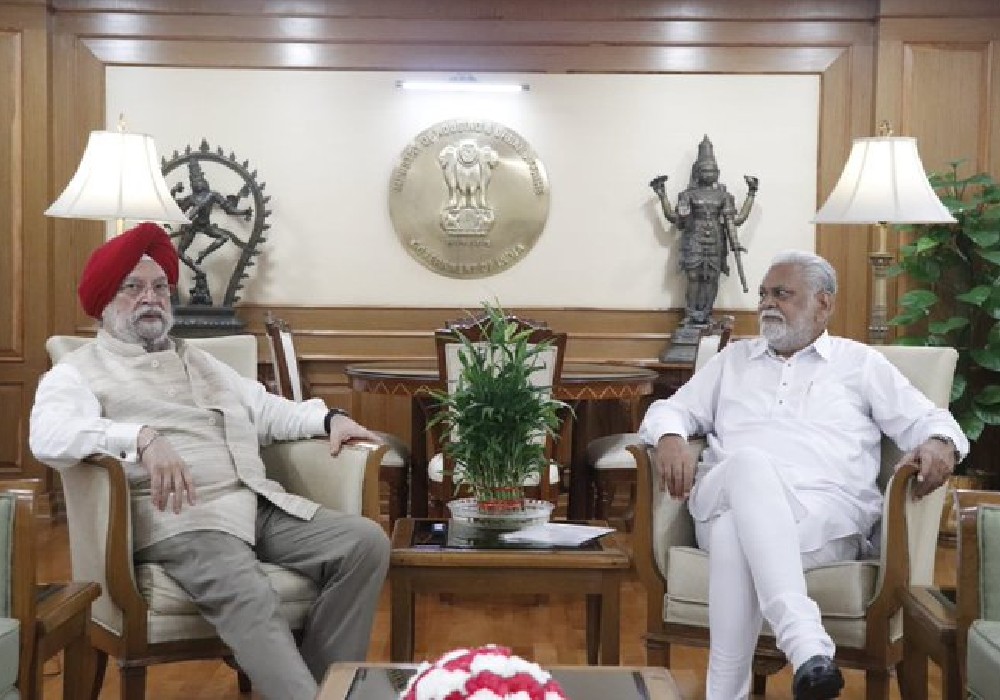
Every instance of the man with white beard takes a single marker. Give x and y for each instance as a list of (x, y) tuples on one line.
[(794, 420), (187, 429)]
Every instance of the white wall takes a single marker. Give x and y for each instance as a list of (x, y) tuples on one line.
[(326, 142)]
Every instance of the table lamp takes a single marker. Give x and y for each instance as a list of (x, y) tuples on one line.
[(118, 178), (883, 183)]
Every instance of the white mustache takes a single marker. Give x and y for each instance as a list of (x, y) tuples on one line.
[(140, 312), (765, 315)]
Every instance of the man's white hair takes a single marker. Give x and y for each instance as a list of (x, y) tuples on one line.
[(819, 274)]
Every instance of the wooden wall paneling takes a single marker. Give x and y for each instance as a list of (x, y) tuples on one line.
[(357, 334), (400, 57), (23, 181), (845, 113), (11, 226), (11, 234), (220, 26), (537, 10), (934, 8), (945, 101), (993, 118), (936, 80), (12, 426), (78, 103)]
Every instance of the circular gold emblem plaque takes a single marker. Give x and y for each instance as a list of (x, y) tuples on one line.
[(468, 198)]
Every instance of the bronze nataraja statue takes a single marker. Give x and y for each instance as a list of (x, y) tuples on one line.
[(707, 218)]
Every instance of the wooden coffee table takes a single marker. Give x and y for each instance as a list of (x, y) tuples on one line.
[(385, 681), (421, 562)]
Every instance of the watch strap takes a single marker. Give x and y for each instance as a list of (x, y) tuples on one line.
[(333, 412)]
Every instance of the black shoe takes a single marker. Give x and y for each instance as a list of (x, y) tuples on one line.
[(817, 679)]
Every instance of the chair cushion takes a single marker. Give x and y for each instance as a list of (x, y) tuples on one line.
[(435, 472), (842, 590), (10, 652), (609, 452), (172, 615), (988, 524), (983, 660)]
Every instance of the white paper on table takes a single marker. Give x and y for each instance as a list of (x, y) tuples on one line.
[(565, 534)]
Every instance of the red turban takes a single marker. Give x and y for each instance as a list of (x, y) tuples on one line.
[(110, 264)]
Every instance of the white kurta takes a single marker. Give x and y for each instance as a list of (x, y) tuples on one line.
[(820, 414), (98, 398)]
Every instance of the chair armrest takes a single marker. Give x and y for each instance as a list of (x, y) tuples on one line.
[(61, 613), (96, 492), (894, 556), (660, 522), (909, 540), (347, 483)]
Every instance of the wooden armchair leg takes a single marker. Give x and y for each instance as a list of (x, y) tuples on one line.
[(604, 495), (242, 679), (100, 661), (78, 670), (764, 666), (133, 681), (397, 502), (911, 674), (877, 685), (657, 652), (243, 682)]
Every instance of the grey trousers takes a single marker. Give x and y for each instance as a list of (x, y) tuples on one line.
[(346, 556)]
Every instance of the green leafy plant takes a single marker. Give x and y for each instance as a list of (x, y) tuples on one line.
[(956, 298), (495, 417)]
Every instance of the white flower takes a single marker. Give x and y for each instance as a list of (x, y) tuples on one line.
[(440, 682), (483, 694)]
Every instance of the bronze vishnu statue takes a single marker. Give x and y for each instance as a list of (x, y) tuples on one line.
[(707, 219)]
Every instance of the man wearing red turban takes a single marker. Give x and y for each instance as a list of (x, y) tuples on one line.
[(187, 428), (111, 263)]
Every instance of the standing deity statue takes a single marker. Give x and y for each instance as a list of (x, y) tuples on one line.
[(198, 207), (706, 217)]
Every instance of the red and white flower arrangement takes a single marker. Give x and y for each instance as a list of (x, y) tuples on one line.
[(484, 673)]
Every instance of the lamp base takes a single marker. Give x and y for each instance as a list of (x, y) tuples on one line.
[(205, 321), (878, 326)]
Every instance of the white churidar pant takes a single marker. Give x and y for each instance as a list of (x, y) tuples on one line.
[(756, 572)]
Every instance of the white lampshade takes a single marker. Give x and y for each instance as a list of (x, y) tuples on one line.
[(119, 178), (883, 182)]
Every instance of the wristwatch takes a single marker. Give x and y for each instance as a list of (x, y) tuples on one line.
[(330, 416), (951, 443)]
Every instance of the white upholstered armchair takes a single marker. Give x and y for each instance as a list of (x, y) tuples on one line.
[(395, 470), (142, 617), (859, 600)]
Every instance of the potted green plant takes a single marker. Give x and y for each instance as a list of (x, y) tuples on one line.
[(497, 415), (955, 297)]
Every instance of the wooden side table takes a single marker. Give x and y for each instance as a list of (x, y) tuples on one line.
[(422, 566), (929, 624)]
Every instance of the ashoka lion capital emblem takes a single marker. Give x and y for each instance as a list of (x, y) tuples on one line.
[(467, 169), (468, 198)]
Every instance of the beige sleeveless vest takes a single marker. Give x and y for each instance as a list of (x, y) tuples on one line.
[(182, 394)]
